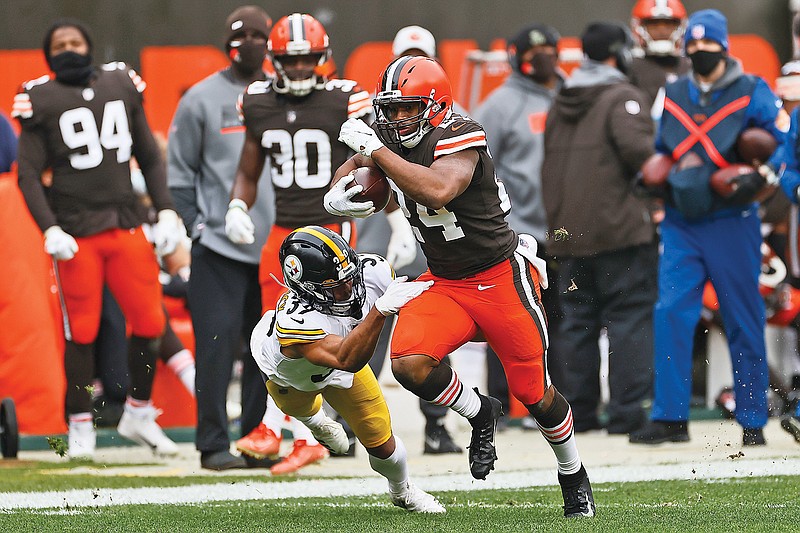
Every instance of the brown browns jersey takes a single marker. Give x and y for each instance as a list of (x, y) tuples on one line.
[(87, 135), (469, 234), (300, 138)]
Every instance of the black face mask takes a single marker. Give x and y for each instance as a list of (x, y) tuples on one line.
[(703, 63), (542, 67), (72, 68), (248, 57)]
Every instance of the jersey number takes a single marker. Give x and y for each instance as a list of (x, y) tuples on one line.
[(79, 130), (290, 157), (442, 217)]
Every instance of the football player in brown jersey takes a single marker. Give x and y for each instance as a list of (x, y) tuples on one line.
[(85, 124), (487, 278), (293, 120)]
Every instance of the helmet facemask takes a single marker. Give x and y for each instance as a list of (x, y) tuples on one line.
[(411, 127), (298, 81)]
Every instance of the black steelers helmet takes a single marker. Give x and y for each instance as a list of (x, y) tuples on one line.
[(317, 264)]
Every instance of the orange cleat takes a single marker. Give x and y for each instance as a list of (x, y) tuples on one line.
[(302, 454), (260, 443)]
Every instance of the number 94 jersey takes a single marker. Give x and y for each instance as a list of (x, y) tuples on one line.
[(300, 140), (293, 322), (470, 233)]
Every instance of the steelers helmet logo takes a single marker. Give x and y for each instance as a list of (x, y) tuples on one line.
[(292, 267)]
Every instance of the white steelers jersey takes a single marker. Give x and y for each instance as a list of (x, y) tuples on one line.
[(295, 322)]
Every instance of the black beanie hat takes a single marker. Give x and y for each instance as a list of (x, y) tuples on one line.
[(65, 23), (601, 40), (531, 35), (247, 18)]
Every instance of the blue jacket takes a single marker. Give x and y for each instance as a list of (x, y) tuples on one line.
[(716, 117)]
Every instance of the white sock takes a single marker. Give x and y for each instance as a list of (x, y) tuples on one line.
[(459, 398), (394, 468), (315, 420), (135, 406), (182, 363), (273, 418), (301, 432), (561, 439)]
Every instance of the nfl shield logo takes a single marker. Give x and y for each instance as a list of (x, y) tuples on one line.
[(698, 31), (291, 116)]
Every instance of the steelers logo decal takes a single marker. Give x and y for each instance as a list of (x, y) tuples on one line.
[(293, 268)]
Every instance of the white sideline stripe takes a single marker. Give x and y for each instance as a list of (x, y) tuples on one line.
[(325, 488)]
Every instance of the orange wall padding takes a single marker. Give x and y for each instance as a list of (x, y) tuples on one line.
[(31, 343)]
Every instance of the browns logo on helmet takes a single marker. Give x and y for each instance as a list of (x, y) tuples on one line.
[(299, 48), (411, 81), (669, 40)]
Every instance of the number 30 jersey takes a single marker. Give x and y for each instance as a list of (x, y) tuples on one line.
[(293, 322), (301, 139), (86, 135), (469, 234)]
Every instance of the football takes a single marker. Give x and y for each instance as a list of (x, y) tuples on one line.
[(376, 187), (755, 144), (722, 181), (656, 169)]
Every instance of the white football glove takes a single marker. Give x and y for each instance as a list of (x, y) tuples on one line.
[(168, 232), (399, 293), (402, 245), (239, 226), (361, 138), (60, 244), (338, 200)]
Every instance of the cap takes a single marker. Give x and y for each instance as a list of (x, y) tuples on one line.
[(247, 18), (601, 40), (412, 37), (708, 24)]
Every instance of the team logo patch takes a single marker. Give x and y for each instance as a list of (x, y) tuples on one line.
[(633, 107), (293, 268), (291, 116), (698, 31), (88, 94)]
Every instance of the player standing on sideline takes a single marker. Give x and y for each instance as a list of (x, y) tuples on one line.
[(206, 137), (294, 121), (487, 278), (318, 341), (85, 125)]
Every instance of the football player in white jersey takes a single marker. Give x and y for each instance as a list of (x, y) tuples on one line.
[(317, 344)]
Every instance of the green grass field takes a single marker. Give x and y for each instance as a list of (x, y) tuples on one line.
[(745, 504)]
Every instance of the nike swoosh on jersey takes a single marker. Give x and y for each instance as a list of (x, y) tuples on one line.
[(485, 287), (456, 128)]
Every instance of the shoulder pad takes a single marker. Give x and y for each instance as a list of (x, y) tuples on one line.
[(459, 134), (258, 87), (359, 104), (22, 107)]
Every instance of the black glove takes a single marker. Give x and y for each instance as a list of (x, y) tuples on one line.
[(747, 186)]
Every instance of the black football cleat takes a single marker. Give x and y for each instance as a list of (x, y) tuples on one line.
[(753, 437), (578, 499), (482, 453), (439, 441), (791, 424)]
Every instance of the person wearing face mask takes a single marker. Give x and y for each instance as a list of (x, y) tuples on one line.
[(708, 237), (513, 116), (597, 135), (85, 123), (205, 139)]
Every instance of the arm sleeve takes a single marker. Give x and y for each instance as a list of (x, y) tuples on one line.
[(764, 112), (631, 130), (32, 162), (184, 153), (790, 179), (150, 161)]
